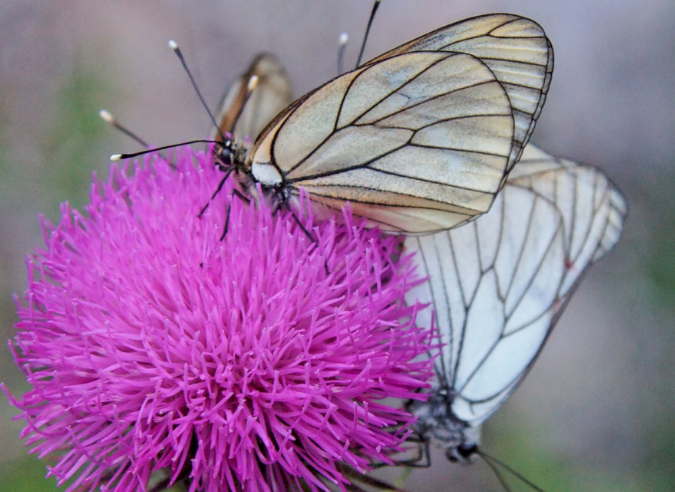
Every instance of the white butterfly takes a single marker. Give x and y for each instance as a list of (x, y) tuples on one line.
[(499, 284), (418, 140)]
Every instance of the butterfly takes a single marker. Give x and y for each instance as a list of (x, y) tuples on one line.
[(422, 139), (499, 284), (417, 140)]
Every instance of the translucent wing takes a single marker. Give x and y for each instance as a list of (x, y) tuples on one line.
[(592, 208), (499, 284), (516, 50), (244, 112), (418, 142)]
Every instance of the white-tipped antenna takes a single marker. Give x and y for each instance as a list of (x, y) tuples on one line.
[(119, 157), (365, 38), (106, 116), (344, 39), (110, 119), (174, 46)]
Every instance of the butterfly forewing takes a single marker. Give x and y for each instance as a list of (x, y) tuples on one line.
[(244, 112), (514, 48), (418, 142), (499, 284), (491, 329)]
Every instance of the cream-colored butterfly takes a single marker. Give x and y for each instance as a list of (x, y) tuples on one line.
[(499, 285), (418, 140)]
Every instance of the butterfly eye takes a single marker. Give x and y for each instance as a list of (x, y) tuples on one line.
[(224, 155)]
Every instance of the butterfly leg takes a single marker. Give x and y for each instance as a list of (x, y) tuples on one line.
[(303, 229), (297, 220), (423, 458), (215, 193), (238, 194)]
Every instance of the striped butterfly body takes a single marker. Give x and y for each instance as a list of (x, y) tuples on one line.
[(418, 140), (499, 285)]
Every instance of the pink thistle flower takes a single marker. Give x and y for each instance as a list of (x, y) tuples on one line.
[(241, 364)]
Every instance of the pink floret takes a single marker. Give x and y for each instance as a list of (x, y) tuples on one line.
[(254, 363)]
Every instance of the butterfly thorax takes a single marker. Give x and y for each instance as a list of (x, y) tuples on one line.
[(267, 175), (270, 178), (232, 157), (436, 420)]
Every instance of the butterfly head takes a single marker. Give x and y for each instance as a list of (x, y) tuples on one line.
[(224, 155), (437, 421), (230, 155), (462, 453)]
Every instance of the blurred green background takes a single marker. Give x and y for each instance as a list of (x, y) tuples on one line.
[(596, 413)]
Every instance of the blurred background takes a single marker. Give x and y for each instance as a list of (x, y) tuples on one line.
[(596, 412)]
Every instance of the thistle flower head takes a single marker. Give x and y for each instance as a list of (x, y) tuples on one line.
[(153, 347)]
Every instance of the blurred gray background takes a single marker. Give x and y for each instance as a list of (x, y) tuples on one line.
[(596, 413)]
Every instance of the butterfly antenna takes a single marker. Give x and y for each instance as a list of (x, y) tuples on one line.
[(498, 474), (110, 119), (119, 157), (494, 464), (365, 38), (174, 46), (344, 38)]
